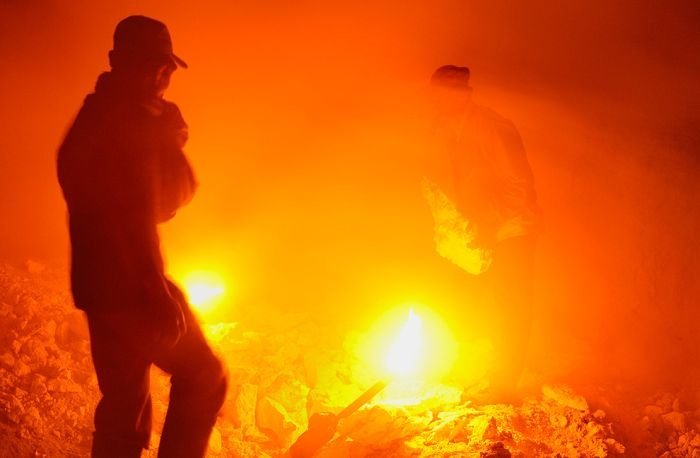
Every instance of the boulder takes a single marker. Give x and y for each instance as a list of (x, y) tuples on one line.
[(272, 418), (675, 421), (564, 396)]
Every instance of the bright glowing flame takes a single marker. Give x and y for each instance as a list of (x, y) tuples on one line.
[(406, 353), (417, 348), (204, 290)]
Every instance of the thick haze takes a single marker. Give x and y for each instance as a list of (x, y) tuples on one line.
[(307, 124)]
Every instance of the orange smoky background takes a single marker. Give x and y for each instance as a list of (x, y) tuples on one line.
[(308, 125)]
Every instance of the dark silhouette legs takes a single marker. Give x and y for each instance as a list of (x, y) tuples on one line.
[(123, 359)]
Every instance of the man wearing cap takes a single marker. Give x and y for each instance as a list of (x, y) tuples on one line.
[(491, 184), (123, 171)]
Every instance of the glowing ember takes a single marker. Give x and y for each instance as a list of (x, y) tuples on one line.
[(406, 353), (204, 290)]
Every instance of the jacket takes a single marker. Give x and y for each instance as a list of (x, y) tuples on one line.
[(122, 171), (491, 180)]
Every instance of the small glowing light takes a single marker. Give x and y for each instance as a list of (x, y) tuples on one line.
[(406, 352), (204, 290), (407, 344)]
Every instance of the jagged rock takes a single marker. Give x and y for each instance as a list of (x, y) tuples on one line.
[(564, 396), (244, 405), (448, 427), (379, 426), (491, 431), (32, 419), (615, 447), (5, 309), (72, 328), (558, 420), (676, 406), (15, 409), (292, 394), (675, 420), (482, 427), (36, 352), (272, 417), (288, 391), (38, 384), (594, 429), (7, 360), (48, 330), (695, 442), (21, 368), (242, 449), (666, 402)]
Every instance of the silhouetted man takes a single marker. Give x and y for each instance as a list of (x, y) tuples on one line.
[(123, 171), (493, 188)]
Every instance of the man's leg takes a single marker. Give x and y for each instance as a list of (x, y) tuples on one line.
[(512, 287), (198, 390), (123, 415)]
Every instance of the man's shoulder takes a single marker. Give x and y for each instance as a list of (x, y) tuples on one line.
[(170, 106)]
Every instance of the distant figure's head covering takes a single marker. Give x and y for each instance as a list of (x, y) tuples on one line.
[(142, 38), (451, 76)]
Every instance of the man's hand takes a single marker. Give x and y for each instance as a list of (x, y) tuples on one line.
[(167, 318)]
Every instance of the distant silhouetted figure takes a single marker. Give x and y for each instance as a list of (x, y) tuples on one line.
[(123, 171), (492, 186)]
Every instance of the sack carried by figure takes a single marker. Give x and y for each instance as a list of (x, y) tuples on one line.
[(454, 234)]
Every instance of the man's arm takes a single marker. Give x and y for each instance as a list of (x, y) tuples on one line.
[(137, 191), (177, 181)]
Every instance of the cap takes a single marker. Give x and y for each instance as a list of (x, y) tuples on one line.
[(144, 37), (451, 76)]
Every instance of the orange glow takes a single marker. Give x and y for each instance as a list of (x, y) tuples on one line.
[(205, 290)]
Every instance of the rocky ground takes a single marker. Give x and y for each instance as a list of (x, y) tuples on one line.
[(279, 379)]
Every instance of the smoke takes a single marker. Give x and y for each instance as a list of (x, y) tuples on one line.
[(307, 124)]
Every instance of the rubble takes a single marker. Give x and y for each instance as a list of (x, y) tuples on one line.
[(274, 419), (279, 378), (47, 392), (670, 430), (245, 401)]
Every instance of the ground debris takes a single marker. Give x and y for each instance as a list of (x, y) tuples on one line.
[(279, 378), (483, 431), (47, 393), (671, 427)]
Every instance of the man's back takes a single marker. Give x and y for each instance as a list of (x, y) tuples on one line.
[(122, 171), (492, 177)]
